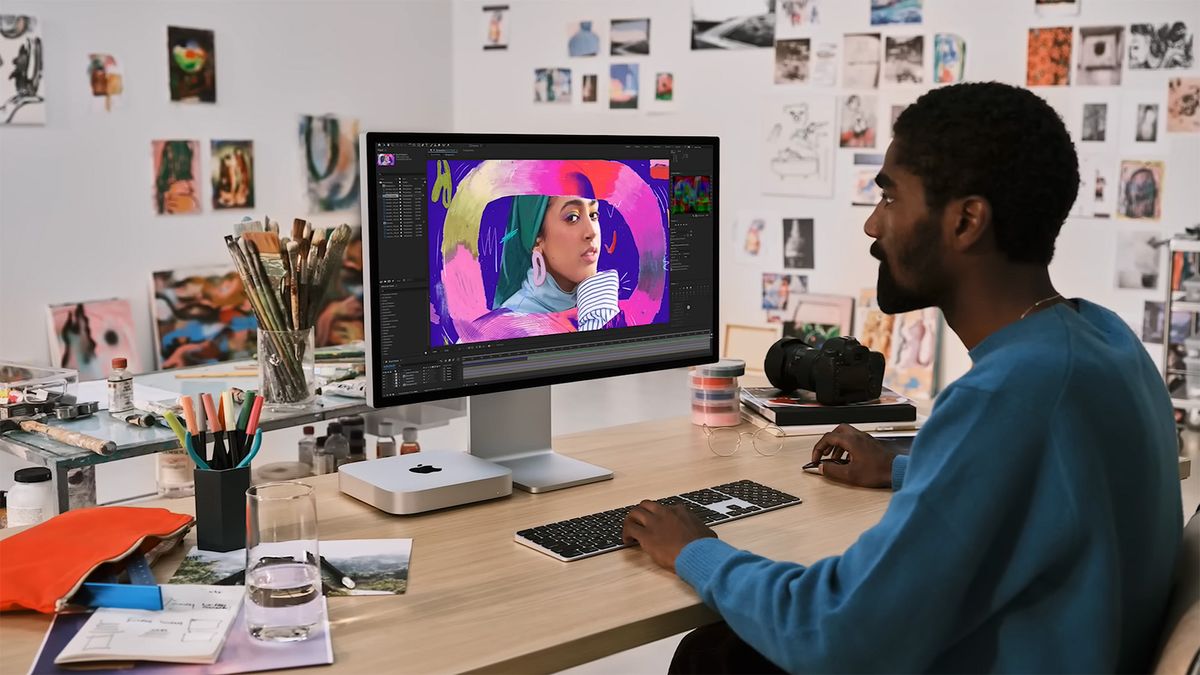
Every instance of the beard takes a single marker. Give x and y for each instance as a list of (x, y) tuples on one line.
[(922, 262)]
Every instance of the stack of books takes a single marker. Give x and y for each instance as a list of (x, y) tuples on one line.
[(799, 414)]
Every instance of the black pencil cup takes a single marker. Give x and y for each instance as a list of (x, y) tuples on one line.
[(221, 509)]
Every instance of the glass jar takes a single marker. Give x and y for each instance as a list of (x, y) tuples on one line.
[(286, 368)]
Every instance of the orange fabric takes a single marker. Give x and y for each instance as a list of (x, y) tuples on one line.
[(43, 566)]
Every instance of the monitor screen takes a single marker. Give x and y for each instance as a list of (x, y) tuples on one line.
[(498, 262)]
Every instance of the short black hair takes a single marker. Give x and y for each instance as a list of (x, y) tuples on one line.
[(1002, 143)]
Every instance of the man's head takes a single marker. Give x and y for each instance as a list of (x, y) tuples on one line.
[(978, 172)]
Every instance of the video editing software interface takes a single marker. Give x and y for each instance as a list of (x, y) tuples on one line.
[(479, 248)]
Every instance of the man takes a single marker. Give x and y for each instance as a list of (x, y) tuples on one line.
[(1035, 525)]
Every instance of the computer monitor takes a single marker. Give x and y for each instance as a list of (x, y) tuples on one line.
[(496, 265)]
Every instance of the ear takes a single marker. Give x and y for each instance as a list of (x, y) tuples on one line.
[(969, 221)]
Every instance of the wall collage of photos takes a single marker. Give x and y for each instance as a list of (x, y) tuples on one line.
[(838, 95)]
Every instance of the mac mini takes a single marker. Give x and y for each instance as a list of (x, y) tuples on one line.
[(424, 481)]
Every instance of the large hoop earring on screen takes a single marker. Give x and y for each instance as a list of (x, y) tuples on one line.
[(539, 267)]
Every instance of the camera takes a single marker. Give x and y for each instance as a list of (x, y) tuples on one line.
[(842, 371)]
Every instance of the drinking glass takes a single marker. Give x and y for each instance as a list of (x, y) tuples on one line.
[(283, 576)]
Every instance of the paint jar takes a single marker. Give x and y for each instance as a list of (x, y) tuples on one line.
[(715, 393), (286, 368), (30, 499)]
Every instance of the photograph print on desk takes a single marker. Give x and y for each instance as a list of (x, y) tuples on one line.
[(329, 146), (1138, 259), (495, 27), (22, 91), (733, 24), (1139, 194), (192, 64), (200, 315), (1101, 49), (885, 12), (176, 177), (87, 336), (107, 82), (1183, 105), (798, 147)]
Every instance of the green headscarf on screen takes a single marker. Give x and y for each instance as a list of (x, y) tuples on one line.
[(524, 225)]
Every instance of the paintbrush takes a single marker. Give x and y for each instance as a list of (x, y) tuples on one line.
[(292, 265)]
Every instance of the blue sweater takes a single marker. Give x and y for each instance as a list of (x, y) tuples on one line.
[(1034, 527)]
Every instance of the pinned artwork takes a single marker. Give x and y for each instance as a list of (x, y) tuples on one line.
[(629, 37), (1146, 123), (866, 190), (815, 318), (1183, 105), (1163, 46), (1140, 191), (340, 319), (733, 24), (201, 315), (495, 27), (22, 92), (884, 12), (106, 81), (588, 87), (798, 148), (824, 64), (623, 86), (796, 16), (754, 234), (87, 336), (780, 290), (664, 87), (909, 343), (1097, 196), (791, 61), (904, 60), (1138, 260), (176, 177), (1185, 266), (1100, 51), (1095, 122), (232, 174), (192, 64), (949, 58), (329, 145), (1056, 7), (582, 40), (798, 243), (552, 85), (860, 121), (1049, 57), (861, 56)]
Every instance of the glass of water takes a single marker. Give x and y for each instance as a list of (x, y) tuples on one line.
[(283, 576)]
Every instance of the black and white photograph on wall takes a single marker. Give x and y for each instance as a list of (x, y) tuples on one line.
[(1153, 328), (1147, 123), (1138, 260), (798, 243), (495, 27), (904, 60), (22, 91), (861, 60), (791, 61), (629, 37), (733, 24), (1100, 52), (1095, 122), (1056, 7), (1160, 46)]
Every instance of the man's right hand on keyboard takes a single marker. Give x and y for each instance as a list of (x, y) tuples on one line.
[(663, 531)]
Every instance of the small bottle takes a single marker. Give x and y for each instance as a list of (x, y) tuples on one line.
[(337, 444), (410, 444), (120, 387), (323, 462), (385, 445), (29, 500), (174, 471), (308, 443), (358, 446)]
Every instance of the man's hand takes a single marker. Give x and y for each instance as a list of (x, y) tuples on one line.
[(663, 531), (855, 457)]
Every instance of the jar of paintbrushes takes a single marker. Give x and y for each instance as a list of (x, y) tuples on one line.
[(286, 279)]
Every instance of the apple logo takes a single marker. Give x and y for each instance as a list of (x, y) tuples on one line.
[(424, 468)]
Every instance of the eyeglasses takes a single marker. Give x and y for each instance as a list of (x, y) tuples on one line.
[(725, 441)]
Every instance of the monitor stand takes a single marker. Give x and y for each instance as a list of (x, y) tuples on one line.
[(513, 429)]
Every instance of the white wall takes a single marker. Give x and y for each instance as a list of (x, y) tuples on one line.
[(725, 92), (76, 217)]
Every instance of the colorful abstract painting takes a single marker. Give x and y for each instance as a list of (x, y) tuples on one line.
[(22, 91), (691, 194), (623, 85), (232, 174), (1049, 57), (192, 64), (106, 80), (87, 336), (330, 149), (201, 315), (909, 342), (1140, 191), (340, 319), (176, 177), (895, 11), (949, 58)]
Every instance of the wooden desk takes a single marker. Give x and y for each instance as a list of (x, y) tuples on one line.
[(478, 601)]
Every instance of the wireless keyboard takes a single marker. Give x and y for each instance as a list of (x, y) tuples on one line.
[(597, 533)]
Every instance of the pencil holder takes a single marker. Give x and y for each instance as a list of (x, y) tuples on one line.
[(221, 509), (286, 367)]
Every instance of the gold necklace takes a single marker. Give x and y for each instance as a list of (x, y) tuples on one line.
[(1039, 303)]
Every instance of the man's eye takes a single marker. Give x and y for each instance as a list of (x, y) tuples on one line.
[(886, 198)]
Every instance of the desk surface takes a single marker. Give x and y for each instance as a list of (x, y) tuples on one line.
[(477, 600)]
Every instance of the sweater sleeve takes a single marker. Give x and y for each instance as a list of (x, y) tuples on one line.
[(899, 468), (918, 567)]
